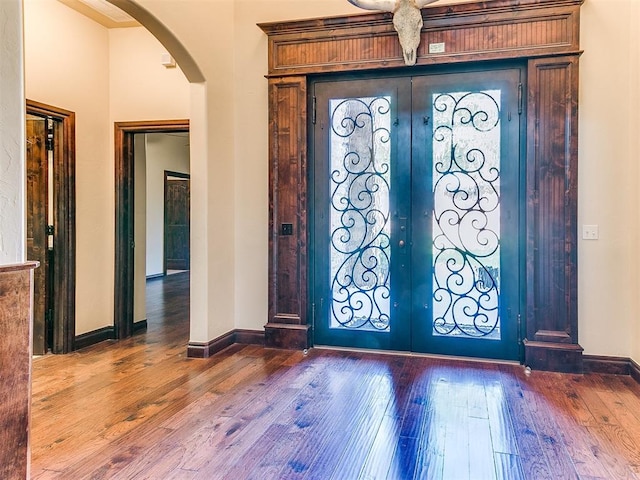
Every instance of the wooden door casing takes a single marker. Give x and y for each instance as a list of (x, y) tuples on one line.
[(63, 271), (123, 323), (545, 35)]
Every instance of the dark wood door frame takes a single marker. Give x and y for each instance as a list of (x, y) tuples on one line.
[(167, 174), (64, 214), (545, 34), (124, 215)]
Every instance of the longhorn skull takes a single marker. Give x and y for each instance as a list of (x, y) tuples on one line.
[(407, 20)]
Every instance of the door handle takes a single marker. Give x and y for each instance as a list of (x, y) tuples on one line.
[(402, 232)]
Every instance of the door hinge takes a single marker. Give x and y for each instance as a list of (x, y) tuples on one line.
[(519, 329), (50, 229), (313, 110), (49, 142), (520, 99)]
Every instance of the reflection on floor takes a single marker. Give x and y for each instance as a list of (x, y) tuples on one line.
[(139, 409), (173, 272)]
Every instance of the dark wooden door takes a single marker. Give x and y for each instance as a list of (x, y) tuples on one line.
[(465, 213), (37, 195), (416, 213), (176, 222)]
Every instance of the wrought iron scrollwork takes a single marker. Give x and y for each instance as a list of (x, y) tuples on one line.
[(360, 185), (466, 220)]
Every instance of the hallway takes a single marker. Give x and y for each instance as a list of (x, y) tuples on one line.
[(139, 409)]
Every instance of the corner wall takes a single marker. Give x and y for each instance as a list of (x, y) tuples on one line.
[(607, 181), (12, 139), (634, 146)]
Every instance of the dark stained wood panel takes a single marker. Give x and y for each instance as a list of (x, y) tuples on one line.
[(552, 316), (15, 369), (475, 31), (553, 154), (288, 180)]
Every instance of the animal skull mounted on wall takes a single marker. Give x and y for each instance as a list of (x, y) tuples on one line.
[(407, 20)]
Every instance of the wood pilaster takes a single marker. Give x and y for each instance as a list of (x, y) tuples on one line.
[(287, 214), (552, 245), (16, 310)]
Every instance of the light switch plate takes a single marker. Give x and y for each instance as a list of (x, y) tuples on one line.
[(590, 232)]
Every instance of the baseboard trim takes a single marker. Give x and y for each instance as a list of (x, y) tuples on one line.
[(140, 326), (206, 350), (91, 338), (634, 370), (608, 365), (155, 275), (249, 337)]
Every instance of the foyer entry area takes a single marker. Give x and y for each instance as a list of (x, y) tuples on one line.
[(140, 409)]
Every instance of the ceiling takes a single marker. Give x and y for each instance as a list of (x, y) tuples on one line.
[(102, 12)]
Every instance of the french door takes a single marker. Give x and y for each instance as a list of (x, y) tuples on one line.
[(416, 213)]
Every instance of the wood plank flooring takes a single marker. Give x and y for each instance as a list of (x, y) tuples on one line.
[(139, 409)]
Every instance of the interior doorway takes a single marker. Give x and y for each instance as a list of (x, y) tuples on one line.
[(125, 231), (177, 201), (417, 206), (50, 224)]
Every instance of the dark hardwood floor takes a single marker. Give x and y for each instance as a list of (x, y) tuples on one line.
[(139, 409)]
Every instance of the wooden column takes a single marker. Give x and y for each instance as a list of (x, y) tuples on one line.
[(16, 302), (287, 325), (552, 169)]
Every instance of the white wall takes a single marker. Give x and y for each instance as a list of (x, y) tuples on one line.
[(164, 152), (140, 88), (12, 135), (608, 192), (76, 78)]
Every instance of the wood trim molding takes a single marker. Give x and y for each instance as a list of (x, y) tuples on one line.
[(206, 350), (140, 326), (249, 337), (604, 364), (124, 214), (484, 30), (612, 366), (96, 336), (64, 237)]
